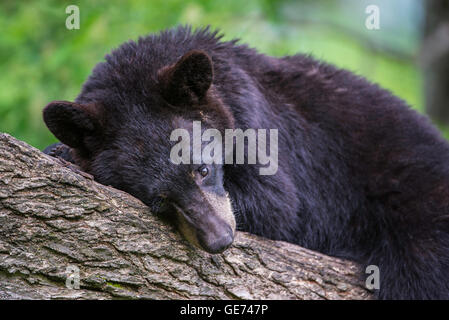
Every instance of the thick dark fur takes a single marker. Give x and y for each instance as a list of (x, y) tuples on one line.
[(361, 175)]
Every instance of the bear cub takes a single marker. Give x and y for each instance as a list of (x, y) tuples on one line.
[(360, 175)]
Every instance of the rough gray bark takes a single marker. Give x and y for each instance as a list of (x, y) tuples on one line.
[(52, 218)]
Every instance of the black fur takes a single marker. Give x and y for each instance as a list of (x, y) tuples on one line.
[(361, 175)]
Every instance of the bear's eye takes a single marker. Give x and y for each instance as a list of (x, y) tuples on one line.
[(204, 171)]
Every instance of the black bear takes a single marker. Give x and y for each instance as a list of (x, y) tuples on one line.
[(360, 175)]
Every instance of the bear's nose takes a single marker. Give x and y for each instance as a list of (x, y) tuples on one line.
[(220, 244)]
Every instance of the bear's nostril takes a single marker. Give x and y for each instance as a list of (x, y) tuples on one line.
[(220, 244)]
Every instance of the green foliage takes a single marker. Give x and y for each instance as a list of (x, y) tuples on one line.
[(41, 61)]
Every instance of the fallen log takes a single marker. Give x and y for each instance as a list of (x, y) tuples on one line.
[(64, 236)]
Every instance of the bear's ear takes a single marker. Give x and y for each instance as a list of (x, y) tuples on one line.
[(73, 124), (187, 81)]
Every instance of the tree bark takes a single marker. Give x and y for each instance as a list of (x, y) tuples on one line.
[(52, 218)]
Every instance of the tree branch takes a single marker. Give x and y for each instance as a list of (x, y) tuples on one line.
[(52, 218)]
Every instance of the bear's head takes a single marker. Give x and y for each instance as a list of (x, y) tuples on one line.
[(119, 131)]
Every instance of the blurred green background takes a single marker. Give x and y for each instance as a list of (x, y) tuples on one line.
[(41, 60)]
